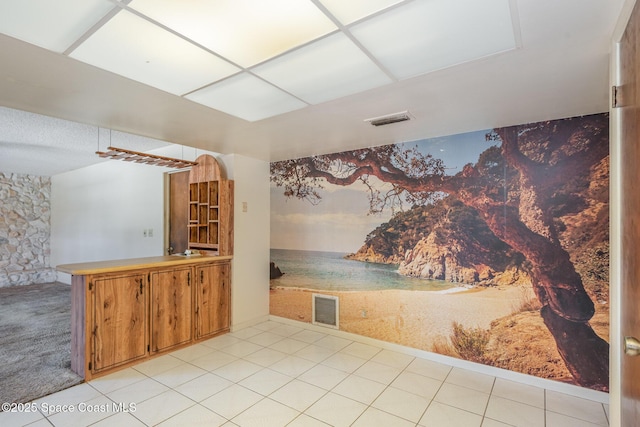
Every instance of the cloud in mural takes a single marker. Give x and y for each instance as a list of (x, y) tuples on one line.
[(322, 232), (339, 223)]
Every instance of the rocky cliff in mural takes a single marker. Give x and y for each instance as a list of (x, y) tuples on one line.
[(444, 241), (449, 241)]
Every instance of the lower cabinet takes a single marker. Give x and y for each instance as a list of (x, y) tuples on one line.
[(212, 299), (119, 329), (171, 308), (119, 319)]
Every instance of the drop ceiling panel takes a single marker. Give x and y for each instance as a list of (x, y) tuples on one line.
[(244, 31), (133, 47), (324, 70), (53, 25), (295, 46), (350, 11), (424, 36), (247, 97)]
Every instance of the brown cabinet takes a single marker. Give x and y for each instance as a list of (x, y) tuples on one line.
[(171, 309), (124, 313), (210, 225), (119, 326), (204, 215), (213, 299)]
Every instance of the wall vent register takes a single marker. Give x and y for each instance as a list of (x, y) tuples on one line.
[(326, 311)]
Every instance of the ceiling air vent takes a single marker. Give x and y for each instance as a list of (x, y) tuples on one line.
[(402, 116)]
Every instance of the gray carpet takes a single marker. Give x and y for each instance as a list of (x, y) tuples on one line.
[(35, 341)]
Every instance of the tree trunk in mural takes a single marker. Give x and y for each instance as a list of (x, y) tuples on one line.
[(567, 307), (514, 188)]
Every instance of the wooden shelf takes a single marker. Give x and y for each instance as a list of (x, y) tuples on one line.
[(210, 208)]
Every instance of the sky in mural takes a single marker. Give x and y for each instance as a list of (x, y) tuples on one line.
[(340, 222)]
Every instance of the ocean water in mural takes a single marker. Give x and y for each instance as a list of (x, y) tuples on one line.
[(490, 246), (330, 271)]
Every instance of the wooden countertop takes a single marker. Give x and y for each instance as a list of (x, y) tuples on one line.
[(85, 268)]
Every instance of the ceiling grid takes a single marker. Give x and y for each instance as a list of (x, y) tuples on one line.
[(293, 78), (256, 59)]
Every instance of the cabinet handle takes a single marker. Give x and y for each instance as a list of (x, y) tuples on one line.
[(201, 276), (140, 286)]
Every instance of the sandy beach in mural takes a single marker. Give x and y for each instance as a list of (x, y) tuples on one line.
[(407, 317)]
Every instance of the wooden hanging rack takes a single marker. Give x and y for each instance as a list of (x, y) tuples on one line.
[(115, 153)]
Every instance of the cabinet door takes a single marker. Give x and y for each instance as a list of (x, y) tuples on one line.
[(171, 307), (213, 297), (119, 320)]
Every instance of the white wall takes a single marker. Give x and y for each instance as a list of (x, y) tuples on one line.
[(250, 288), (100, 212)]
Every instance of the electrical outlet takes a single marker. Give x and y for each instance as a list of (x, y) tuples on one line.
[(363, 313), (244, 207), (150, 232)]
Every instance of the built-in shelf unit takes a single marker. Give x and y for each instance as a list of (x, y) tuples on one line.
[(210, 208)]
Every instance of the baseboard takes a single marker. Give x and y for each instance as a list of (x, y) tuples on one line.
[(64, 278), (573, 390)]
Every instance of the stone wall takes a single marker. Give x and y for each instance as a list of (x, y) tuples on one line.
[(25, 228)]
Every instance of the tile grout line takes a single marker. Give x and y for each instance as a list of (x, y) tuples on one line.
[(544, 405), (484, 413), (349, 374)]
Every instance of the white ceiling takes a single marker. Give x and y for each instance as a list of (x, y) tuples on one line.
[(276, 79)]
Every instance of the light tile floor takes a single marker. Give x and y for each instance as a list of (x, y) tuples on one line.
[(277, 374)]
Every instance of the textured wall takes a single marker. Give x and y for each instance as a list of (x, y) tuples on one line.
[(25, 212)]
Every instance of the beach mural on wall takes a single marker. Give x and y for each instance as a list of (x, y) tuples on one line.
[(490, 246)]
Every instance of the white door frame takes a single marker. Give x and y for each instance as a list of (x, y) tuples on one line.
[(615, 268)]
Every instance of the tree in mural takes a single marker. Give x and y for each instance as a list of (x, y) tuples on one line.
[(515, 187)]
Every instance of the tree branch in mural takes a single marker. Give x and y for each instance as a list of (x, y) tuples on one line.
[(514, 187)]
